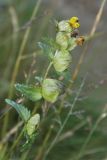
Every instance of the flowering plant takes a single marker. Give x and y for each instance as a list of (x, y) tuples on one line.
[(49, 89)]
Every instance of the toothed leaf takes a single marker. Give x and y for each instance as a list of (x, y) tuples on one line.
[(23, 112), (31, 92)]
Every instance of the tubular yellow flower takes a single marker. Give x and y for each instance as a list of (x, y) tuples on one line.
[(74, 22)]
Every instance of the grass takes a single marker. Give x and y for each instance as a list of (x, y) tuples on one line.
[(73, 128)]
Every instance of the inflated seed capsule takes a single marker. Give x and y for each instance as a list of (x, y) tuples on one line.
[(32, 124), (64, 26), (51, 89), (61, 60), (72, 43), (62, 39)]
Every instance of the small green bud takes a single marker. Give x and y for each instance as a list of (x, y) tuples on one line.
[(64, 26), (50, 89), (61, 60), (32, 124)]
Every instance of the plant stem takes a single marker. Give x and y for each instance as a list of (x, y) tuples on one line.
[(77, 69), (17, 65), (42, 147), (81, 153), (15, 143), (16, 68), (47, 71), (64, 123)]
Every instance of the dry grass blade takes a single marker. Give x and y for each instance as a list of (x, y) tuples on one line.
[(17, 64), (93, 30), (65, 121), (11, 132)]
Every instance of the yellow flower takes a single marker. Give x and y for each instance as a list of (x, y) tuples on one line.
[(74, 22)]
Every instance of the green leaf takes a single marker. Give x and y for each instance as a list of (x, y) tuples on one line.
[(51, 89), (31, 92), (23, 112), (32, 124)]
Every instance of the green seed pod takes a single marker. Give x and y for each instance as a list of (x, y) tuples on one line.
[(32, 124), (50, 89), (62, 39), (64, 26), (72, 43), (61, 60)]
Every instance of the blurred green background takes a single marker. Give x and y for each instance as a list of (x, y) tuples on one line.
[(14, 21)]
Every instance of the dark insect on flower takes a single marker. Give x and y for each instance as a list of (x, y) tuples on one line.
[(80, 40), (75, 33)]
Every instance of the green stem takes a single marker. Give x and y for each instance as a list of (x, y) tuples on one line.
[(42, 147), (81, 153), (14, 144), (47, 71), (64, 123), (17, 65)]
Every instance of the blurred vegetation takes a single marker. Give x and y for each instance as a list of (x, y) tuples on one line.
[(85, 133)]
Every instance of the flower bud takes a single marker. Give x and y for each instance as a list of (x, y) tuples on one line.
[(61, 60)]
